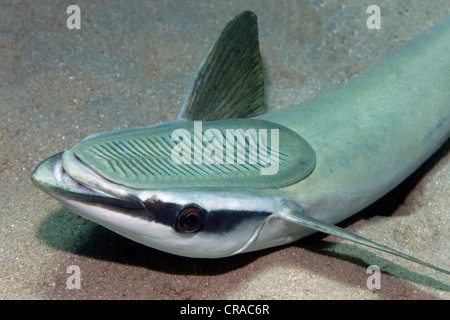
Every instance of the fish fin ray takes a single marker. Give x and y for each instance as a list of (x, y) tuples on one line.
[(296, 215), (229, 82)]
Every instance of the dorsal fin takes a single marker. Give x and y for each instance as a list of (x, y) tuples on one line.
[(229, 82)]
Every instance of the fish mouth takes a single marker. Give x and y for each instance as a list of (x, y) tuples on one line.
[(52, 177)]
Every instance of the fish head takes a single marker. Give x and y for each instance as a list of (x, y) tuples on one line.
[(192, 222), (130, 182)]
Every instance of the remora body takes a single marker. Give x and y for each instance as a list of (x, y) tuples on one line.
[(338, 154)]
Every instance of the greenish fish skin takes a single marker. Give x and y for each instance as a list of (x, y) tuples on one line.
[(375, 130), (357, 142)]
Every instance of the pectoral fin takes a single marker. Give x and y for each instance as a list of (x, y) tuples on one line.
[(295, 214), (229, 82)]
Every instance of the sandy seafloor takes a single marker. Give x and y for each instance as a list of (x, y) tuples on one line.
[(131, 65)]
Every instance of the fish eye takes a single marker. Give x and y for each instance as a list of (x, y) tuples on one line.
[(190, 219)]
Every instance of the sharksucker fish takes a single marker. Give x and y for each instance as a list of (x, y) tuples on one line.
[(226, 177)]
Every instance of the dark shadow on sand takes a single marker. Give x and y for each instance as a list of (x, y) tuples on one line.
[(67, 231)]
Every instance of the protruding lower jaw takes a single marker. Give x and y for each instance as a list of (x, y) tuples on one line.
[(52, 177), (79, 172)]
